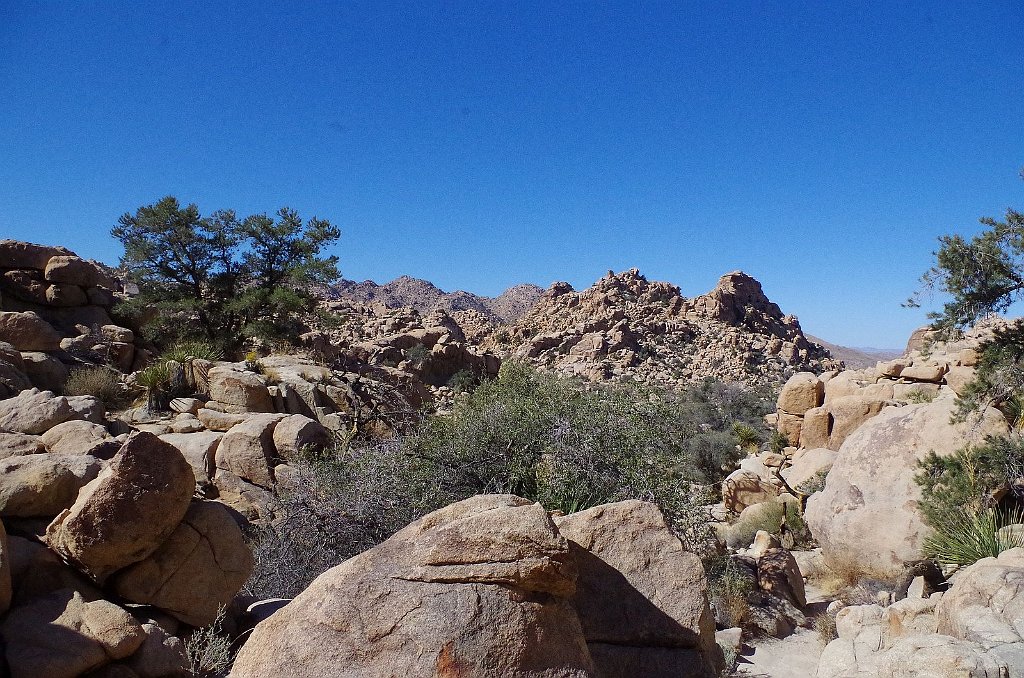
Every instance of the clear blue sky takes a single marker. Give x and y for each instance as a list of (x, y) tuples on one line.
[(820, 146)]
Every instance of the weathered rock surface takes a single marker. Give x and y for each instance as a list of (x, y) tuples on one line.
[(43, 485), (18, 444), (199, 450), (236, 387), (247, 449), (295, 432), (78, 437), (986, 606), (660, 623), (199, 568), (477, 589), (27, 331), (34, 411), (867, 515), (131, 508)]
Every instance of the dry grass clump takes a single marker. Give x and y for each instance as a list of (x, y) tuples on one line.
[(209, 650), (99, 381)]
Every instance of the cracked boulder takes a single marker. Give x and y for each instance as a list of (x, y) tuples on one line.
[(200, 567), (123, 515), (479, 588)]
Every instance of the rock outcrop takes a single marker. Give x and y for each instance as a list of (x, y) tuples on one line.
[(867, 514), (489, 587), (625, 326)]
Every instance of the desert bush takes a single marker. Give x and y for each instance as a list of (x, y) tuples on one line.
[(747, 436), (919, 396), (538, 436), (778, 442), (209, 650), (959, 500), (815, 483), (417, 353), (103, 382), (729, 587), (768, 516)]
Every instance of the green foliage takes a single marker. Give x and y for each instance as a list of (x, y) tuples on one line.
[(918, 396), (959, 499), (815, 483), (186, 351), (222, 278), (768, 516), (157, 381), (103, 382), (463, 381), (968, 478), (747, 436), (964, 535), (729, 586), (983, 275), (778, 442), (553, 440), (418, 354)]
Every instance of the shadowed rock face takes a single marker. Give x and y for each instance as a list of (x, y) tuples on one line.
[(488, 587)]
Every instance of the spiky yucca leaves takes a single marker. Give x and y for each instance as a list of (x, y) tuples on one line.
[(964, 536)]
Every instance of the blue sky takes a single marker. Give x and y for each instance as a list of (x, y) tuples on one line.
[(821, 147)]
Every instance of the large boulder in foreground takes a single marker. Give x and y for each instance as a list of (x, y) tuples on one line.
[(479, 588), (867, 517), (641, 597), (131, 508), (197, 570), (986, 606)]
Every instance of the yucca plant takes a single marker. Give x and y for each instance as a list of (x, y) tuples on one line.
[(964, 536), (746, 436), (155, 379)]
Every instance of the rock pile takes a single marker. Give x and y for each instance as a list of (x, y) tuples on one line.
[(54, 313), (102, 563), (627, 327), (974, 630)]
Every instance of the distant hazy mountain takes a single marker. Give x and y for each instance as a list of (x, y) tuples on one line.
[(857, 358), (425, 296)]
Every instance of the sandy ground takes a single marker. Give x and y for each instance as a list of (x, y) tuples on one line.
[(795, 656)]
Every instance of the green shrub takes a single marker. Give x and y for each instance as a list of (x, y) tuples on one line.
[(963, 536), (919, 395), (778, 442), (768, 516), (103, 382), (747, 436), (418, 354), (463, 381), (969, 478), (549, 439), (157, 381), (815, 483), (729, 586)]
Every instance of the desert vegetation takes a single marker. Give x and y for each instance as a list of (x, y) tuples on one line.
[(525, 433)]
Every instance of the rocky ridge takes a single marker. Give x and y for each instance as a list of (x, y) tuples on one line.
[(626, 327), (424, 297)]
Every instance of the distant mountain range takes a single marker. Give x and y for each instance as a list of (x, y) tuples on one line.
[(857, 358), (425, 296)]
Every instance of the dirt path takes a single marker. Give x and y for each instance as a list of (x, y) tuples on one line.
[(795, 656)]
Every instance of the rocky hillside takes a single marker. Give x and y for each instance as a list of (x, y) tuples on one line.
[(625, 326), (424, 296)]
